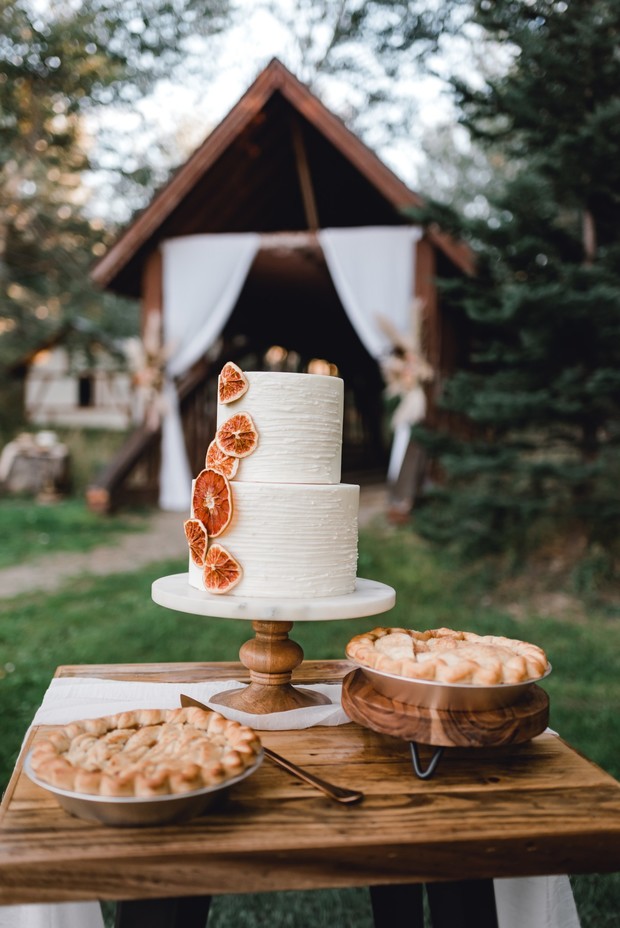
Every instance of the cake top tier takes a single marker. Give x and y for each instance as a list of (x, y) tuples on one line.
[(298, 419)]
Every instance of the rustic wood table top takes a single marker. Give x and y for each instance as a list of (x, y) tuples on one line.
[(534, 808)]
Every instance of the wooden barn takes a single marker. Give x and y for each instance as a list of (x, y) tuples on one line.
[(283, 242)]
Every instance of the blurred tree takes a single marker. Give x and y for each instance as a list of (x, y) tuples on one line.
[(378, 64), (351, 53), (458, 172), (60, 63), (543, 389)]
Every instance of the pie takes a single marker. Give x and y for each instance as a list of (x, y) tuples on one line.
[(146, 752), (448, 656)]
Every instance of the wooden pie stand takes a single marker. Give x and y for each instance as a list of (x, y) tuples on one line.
[(500, 726), (271, 656)]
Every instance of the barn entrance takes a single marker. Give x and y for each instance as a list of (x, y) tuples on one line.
[(289, 317)]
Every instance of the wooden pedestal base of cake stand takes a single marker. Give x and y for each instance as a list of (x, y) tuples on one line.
[(271, 656)]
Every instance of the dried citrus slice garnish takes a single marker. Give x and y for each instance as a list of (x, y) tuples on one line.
[(221, 571), (212, 501), (197, 539), (223, 463), (237, 436), (231, 383)]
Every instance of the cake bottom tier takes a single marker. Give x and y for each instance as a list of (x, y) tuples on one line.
[(292, 541)]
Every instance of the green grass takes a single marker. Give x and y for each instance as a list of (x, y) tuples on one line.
[(30, 531), (113, 619)]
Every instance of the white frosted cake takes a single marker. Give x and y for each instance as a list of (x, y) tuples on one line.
[(269, 516)]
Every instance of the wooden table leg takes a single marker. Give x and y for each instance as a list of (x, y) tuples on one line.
[(179, 912), (464, 904), (389, 902)]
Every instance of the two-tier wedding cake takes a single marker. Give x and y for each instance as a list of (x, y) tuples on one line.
[(269, 515)]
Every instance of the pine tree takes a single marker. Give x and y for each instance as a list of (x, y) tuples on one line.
[(542, 390)]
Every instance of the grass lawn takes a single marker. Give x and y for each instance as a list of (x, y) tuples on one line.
[(113, 619), (30, 532)]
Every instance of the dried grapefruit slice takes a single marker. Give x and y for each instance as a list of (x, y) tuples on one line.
[(221, 571), (212, 501), (197, 539), (223, 463), (237, 436), (232, 383)]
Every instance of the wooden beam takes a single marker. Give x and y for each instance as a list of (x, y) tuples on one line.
[(426, 292), (152, 288), (303, 172)]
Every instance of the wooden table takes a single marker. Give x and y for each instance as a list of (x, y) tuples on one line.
[(536, 808)]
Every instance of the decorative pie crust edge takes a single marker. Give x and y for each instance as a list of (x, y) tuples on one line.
[(448, 656), (197, 748)]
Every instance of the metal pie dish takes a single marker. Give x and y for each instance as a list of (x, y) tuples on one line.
[(458, 697), (139, 811)]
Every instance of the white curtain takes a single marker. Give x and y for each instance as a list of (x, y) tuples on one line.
[(535, 902), (52, 915), (202, 278), (373, 270)]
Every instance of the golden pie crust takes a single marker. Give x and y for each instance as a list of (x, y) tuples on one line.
[(448, 656), (146, 752)]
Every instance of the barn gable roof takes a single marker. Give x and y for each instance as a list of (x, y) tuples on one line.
[(279, 161)]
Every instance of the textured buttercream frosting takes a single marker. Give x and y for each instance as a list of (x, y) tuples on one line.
[(298, 418), (294, 541), (294, 526)]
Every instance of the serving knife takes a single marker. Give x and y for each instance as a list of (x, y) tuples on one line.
[(339, 793)]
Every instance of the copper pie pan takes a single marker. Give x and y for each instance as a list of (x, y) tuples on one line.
[(135, 811), (457, 697)]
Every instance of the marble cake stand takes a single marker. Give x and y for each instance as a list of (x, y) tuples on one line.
[(271, 656)]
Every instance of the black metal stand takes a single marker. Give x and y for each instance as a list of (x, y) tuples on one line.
[(428, 771)]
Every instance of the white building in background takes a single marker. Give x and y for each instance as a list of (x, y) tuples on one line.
[(76, 390)]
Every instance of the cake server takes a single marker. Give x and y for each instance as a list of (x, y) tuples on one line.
[(339, 793)]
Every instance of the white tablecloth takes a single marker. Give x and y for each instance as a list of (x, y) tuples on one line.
[(526, 902)]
